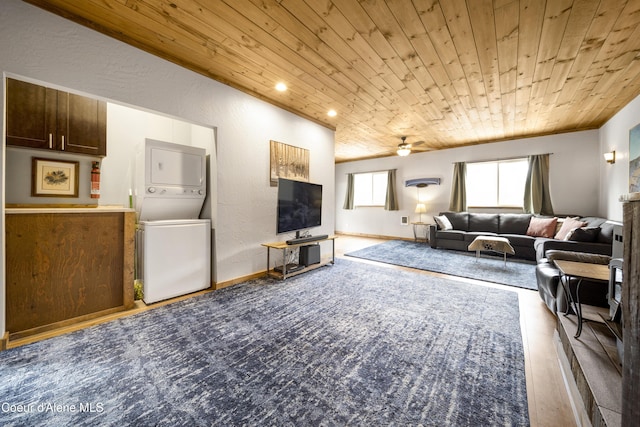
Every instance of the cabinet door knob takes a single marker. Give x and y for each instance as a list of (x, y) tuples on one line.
[(62, 142), (50, 141)]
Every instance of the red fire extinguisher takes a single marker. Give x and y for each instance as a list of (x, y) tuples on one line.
[(95, 180)]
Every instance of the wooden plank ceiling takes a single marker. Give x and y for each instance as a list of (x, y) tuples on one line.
[(447, 73)]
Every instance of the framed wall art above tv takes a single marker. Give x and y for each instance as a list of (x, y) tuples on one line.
[(287, 161)]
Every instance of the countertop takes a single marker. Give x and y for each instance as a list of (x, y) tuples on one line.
[(97, 209)]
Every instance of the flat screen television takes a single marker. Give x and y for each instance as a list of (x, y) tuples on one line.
[(299, 205)]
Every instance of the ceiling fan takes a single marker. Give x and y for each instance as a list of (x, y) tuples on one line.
[(404, 148)]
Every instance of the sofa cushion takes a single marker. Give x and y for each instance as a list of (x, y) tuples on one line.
[(459, 220), (471, 235), (568, 225), (547, 277), (520, 240), (443, 222), (484, 222), (560, 222), (514, 223), (542, 227), (556, 255), (584, 234), (592, 221), (450, 235), (606, 232), (542, 246)]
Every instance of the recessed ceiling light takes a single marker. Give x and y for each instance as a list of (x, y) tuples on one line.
[(332, 113), (281, 87)]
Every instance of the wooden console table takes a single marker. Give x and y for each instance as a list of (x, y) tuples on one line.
[(67, 265), (284, 247)]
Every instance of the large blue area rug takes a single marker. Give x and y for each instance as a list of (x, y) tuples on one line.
[(518, 273), (350, 344)]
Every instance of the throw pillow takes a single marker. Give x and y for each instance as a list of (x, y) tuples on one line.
[(443, 222), (584, 234), (561, 221), (568, 225), (542, 227)]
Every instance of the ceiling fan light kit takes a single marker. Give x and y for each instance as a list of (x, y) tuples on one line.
[(404, 149)]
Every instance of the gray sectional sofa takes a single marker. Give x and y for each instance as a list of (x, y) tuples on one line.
[(544, 250), (467, 226)]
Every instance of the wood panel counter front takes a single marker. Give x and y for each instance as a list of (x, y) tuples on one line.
[(67, 266)]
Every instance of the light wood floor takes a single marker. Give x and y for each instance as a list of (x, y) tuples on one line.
[(549, 404)]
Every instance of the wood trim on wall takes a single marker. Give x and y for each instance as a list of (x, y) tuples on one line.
[(631, 315), (227, 283), (373, 236), (4, 341), (128, 268)]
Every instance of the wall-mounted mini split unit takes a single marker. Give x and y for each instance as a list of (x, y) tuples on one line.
[(421, 182)]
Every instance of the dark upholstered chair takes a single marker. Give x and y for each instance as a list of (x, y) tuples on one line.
[(550, 289)]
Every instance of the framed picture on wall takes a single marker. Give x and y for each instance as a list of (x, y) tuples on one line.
[(287, 161), (54, 178)]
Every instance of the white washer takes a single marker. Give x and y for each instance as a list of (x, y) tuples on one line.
[(173, 257)]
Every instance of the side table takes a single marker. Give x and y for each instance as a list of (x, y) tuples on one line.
[(416, 231), (580, 271)]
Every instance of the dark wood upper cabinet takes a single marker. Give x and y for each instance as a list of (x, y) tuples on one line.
[(45, 118), (31, 115), (82, 124)]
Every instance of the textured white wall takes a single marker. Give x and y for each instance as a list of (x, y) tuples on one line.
[(46, 48), (127, 129), (614, 135), (574, 179)]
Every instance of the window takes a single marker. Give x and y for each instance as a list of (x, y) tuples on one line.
[(370, 189), (496, 184)]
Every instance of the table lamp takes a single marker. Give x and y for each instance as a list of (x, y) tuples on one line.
[(421, 208)]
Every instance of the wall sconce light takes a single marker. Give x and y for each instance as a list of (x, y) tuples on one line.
[(610, 157), (421, 208)]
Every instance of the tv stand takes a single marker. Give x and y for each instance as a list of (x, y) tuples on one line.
[(290, 268), (282, 272)]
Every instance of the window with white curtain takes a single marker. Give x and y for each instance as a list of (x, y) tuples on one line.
[(370, 188), (496, 183)]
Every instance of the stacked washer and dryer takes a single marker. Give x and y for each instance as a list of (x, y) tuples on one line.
[(173, 244)]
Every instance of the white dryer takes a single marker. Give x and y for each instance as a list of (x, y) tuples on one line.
[(171, 181), (173, 245)]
